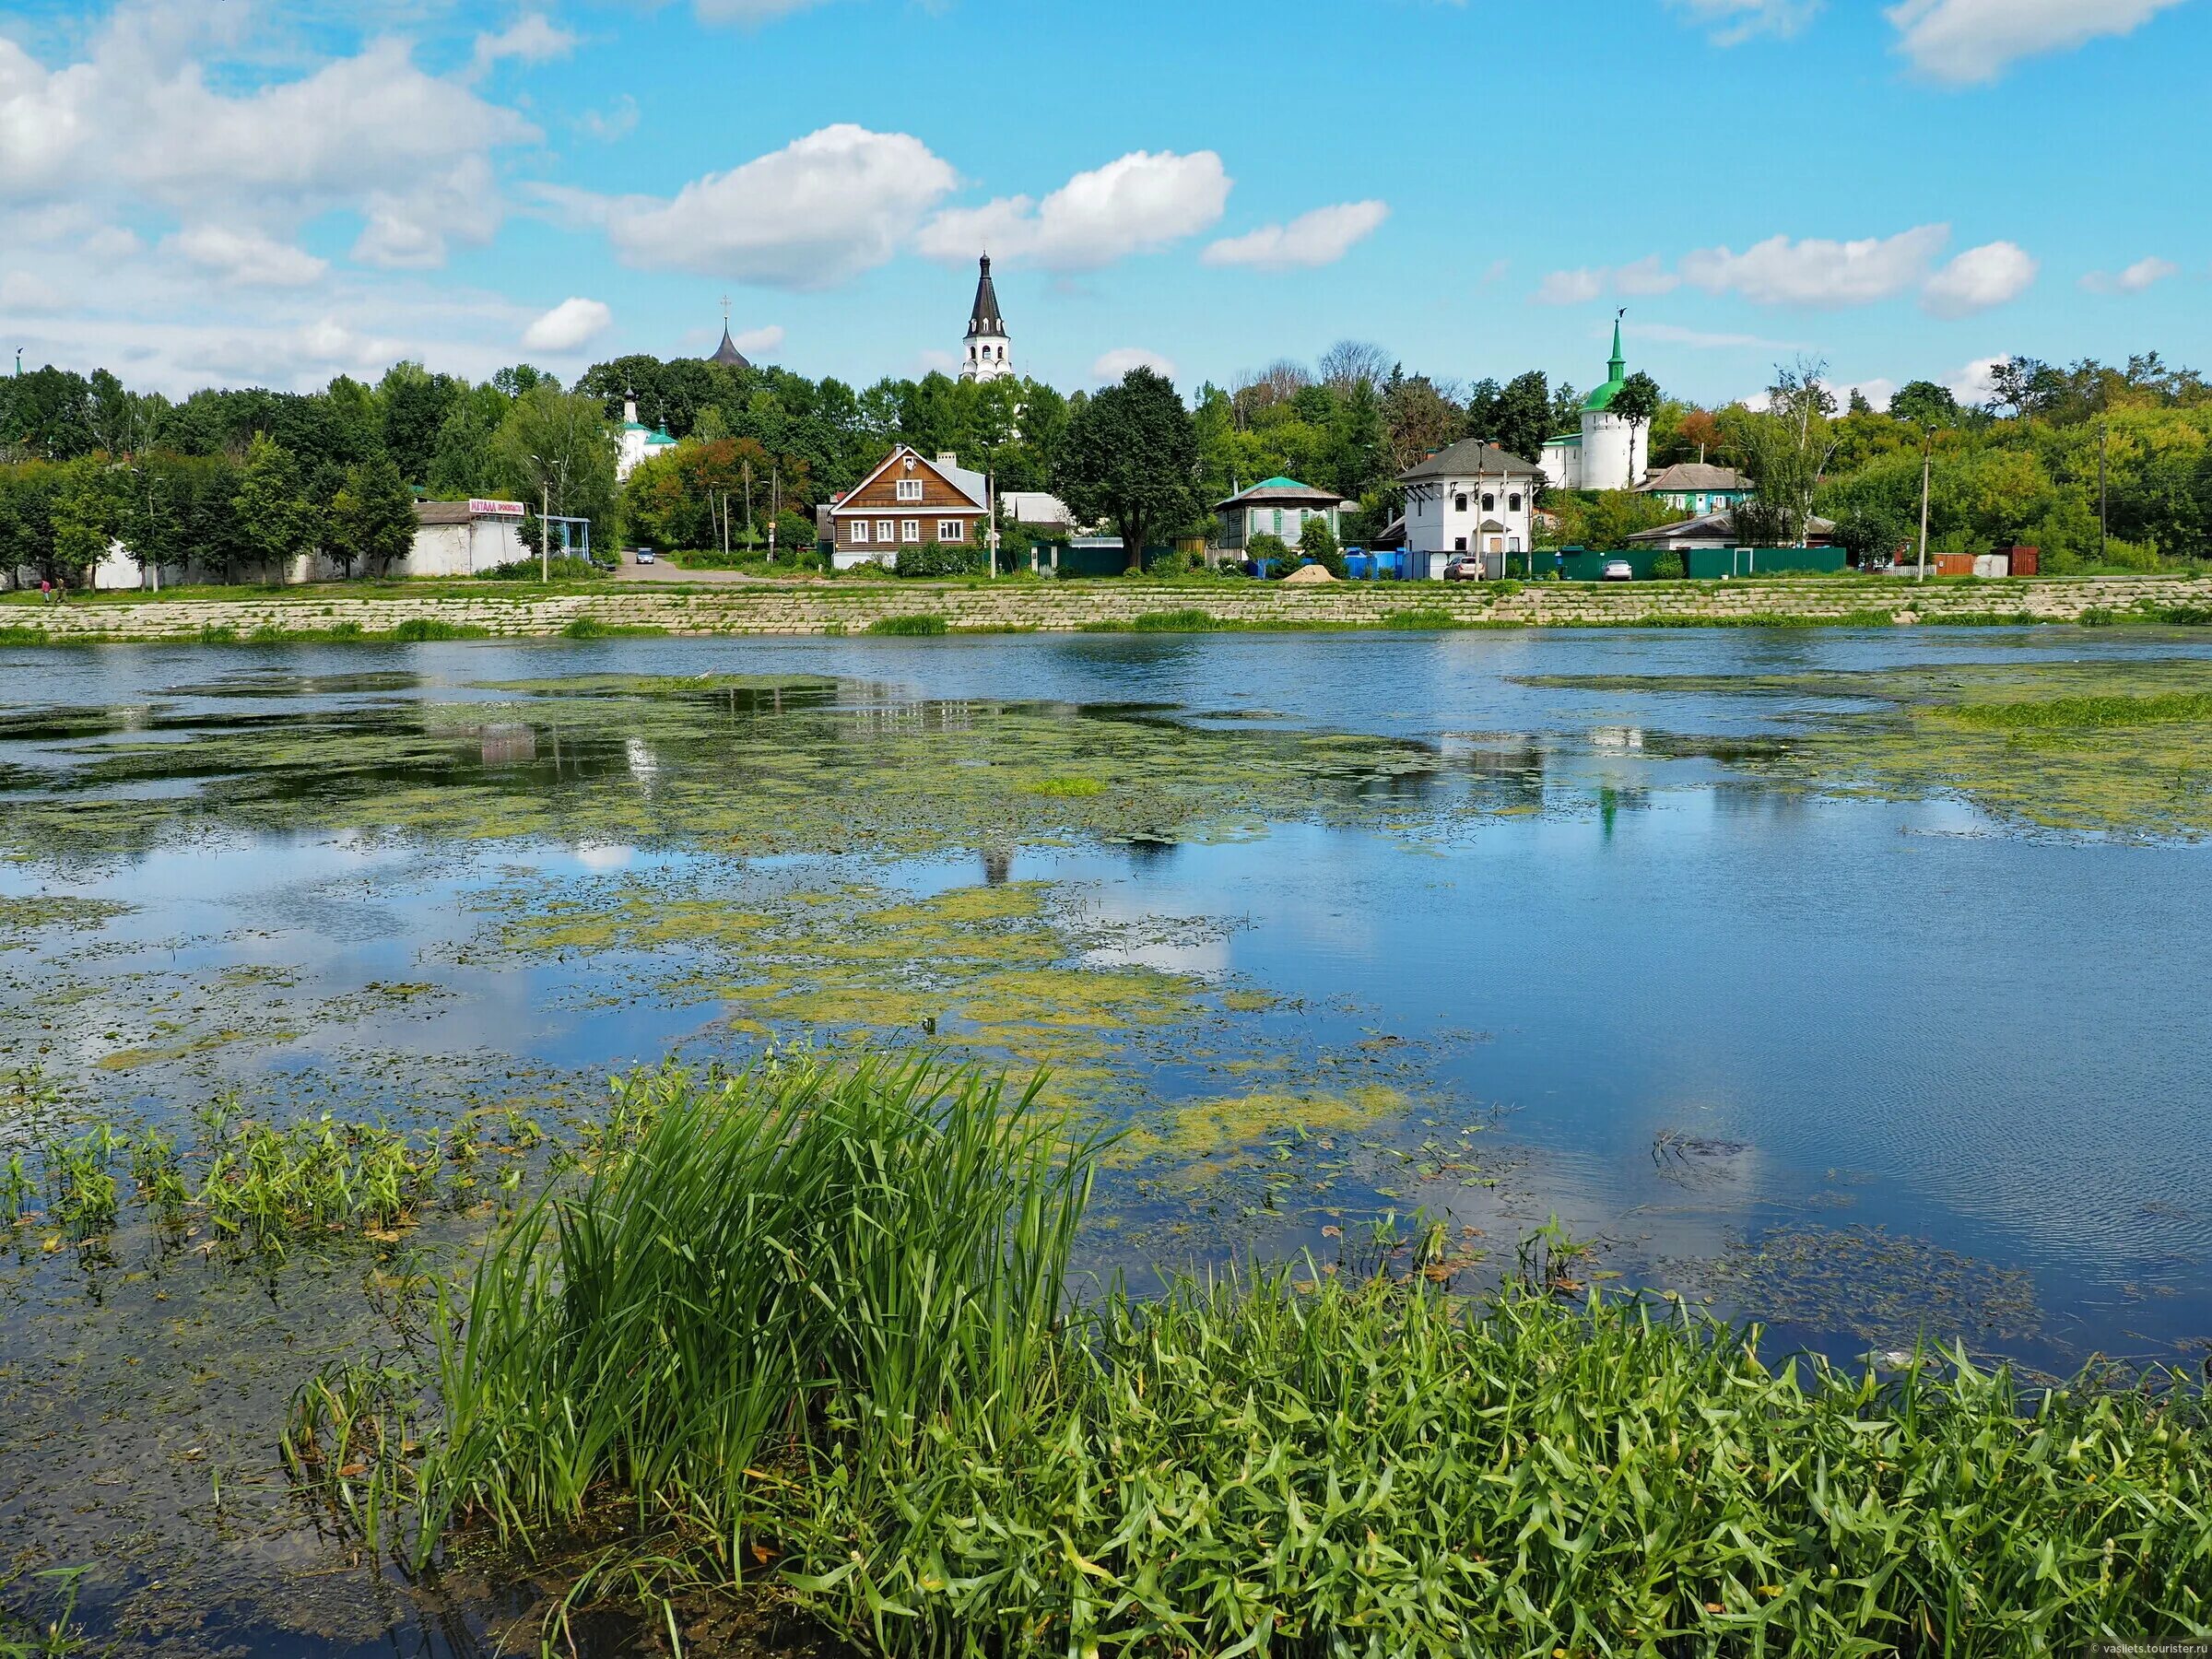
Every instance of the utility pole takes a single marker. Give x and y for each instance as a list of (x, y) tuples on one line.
[(545, 529), (775, 506), (1928, 460), (990, 518)]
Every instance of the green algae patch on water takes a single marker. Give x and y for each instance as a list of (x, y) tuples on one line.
[(1194, 1142), (751, 766), (23, 917), (1003, 976), (2099, 748)]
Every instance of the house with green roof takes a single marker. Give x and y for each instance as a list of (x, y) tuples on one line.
[(1277, 507), (1610, 451)]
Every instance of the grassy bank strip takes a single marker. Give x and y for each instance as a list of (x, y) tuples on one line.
[(819, 1324)]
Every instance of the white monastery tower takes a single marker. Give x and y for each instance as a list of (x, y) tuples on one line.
[(989, 351)]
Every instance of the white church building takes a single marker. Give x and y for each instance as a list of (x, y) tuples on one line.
[(1611, 451), (638, 443)]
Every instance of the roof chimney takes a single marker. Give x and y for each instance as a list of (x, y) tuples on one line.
[(947, 458)]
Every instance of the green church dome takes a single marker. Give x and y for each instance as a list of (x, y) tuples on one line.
[(1617, 374)]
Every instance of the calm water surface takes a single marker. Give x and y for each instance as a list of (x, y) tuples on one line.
[(1851, 1067)]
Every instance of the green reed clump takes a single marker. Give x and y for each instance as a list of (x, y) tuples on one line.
[(17, 1189), (417, 630), (1421, 619), (264, 1184), (1190, 619), (821, 1317), (918, 626), (766, 1251), (80, 1182)]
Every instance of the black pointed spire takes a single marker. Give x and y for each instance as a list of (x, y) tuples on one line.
[(985, 318), (727, 354)]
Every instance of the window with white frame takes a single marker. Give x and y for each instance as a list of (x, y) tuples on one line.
[(952, 530), (909, 489), (859, 528), (886, 531), (910, 530)]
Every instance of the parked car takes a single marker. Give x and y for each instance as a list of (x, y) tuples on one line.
[(645, 556), (1616, 570), (1462, 567)]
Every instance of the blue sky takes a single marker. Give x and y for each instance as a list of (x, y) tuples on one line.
[(198, 191)]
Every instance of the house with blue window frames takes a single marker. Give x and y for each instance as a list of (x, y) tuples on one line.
[(1277, 507)]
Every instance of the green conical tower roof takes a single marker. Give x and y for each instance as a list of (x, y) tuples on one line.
[(1617, 370)]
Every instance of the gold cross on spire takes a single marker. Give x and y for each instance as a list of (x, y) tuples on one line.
[(725, 312)]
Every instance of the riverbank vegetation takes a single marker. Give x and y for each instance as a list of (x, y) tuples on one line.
[(238, 483), (814, 1330)]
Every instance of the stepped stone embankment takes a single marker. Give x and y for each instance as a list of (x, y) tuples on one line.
[(829, 608)]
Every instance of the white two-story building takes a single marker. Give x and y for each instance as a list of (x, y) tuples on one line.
[(1472, 497)]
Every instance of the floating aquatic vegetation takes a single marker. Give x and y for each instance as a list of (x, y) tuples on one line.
[(2101, 746), (23, 916), (776, 766), (1881, 1286)]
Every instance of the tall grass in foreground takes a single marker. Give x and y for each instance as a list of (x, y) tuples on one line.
[(818, 1318), (769, 1254)]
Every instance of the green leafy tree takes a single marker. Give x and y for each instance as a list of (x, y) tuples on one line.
[(1924, 403), (87, 511), (1638, 402), (1130, 458), (461, 459), (1268, 548), (1785, 450), (557, 450), (276, 520), (1522, 416), (1317, 542), (1871, 532), (371, 521)]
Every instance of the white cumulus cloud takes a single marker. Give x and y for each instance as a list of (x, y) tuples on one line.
[(1968, 40), (1979, 279), (749, 12), (1577, 287), (144, 119), (1736, 21), (532, 38), (247, 257), (1113, 365), (1137, 204), (2144, 272), (1320, 238), (809, 216), (1638, 279), (567, 325), (1818, 273)]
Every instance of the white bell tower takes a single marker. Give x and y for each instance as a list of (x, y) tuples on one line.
[(989, 353)]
